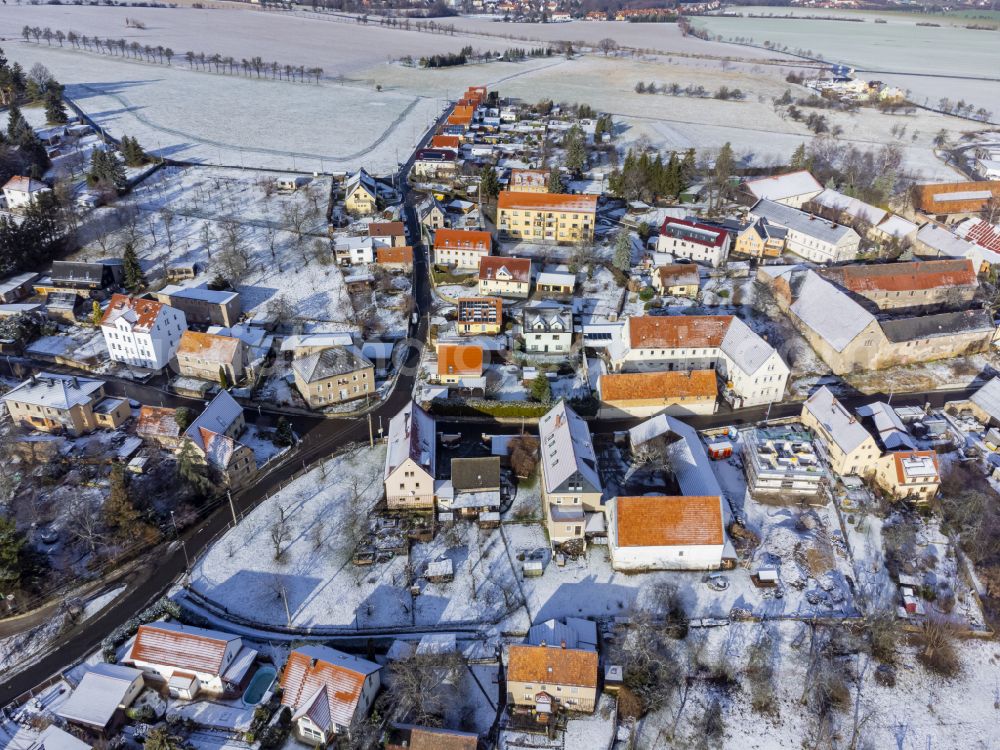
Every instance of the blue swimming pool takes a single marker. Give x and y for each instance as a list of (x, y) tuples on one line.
[(259, 685)]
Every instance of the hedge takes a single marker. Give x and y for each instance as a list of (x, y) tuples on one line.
[(477, 407)]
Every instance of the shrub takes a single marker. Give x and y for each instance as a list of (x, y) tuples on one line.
[(647, 294), (937, 648), (127, 629)]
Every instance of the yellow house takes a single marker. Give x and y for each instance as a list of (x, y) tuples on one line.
[(910, 475), (479, 315), (547, 217), (547, 678), (850, 448), (361, 194), (333, 376), (456, 363), (63, 403), (761, 240), (643, 394), (677, 280)]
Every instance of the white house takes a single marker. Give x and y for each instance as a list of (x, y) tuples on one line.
[(791, 189), (698, 242), (142, 332), (666, 533), (19, 192), (815, 239), (547, 327), (409, 459), (326, 691), (354, 251), (191, 660), (750, 369)]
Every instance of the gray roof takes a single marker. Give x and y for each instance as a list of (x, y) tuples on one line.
[(566, 448), (800, 221), (688, 459), (54, 390), (217, 417), (942, 324), (329, 363), (411, 435), (551, 315), (846, 430), (987, 398), (853, 207), (475, 473), (831, 313), (891, 431), (744, 347)]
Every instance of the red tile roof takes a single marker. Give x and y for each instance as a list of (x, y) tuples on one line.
[(146, 311), (900, 457), (386, 229), (547, 665), (174, 647), (157, 421), (966, 200), (663, 521), (519, 268), (547, 202), (676, 331), (985, 234), (909, 276), (462, 239)]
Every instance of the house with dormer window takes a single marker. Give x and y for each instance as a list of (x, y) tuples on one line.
[(547, 327)]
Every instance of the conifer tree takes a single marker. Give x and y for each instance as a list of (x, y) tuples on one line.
[(132, 274)]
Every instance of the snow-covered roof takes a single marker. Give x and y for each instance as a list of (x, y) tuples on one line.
[(801, 222), (556, 278), (411, 435), (891, 431), (172, 644), (218, 417), (987, 398), (362, 179), (784, 186), (566, 448), (324, 684), (330, 363), (744, 347), (96, 699), (54, 738), (309, 340), (944, 242), (200, 293), (831, 313), (688, 459), (574, 632), (853, 207), (54, 390), (13, 282), (22, 184), (897, 226), (846, 431)]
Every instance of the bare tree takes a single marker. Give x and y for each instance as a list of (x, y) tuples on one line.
[(280, 310), (421, 688), (279, 532), (167, 217), (607, 45)]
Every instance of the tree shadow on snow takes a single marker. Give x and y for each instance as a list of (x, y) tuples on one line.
[(77, 91), (587, 598), (261, 595)]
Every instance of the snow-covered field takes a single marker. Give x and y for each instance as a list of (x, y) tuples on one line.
[(210, 118)]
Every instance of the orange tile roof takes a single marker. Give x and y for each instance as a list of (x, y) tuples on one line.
[(208, 346), (661, 521), (146, 310), (547, 201), (423, 738), (327, 693), (463, 239), (157, 420), (463, 111), (671, 272), (402, 254), (658, 385), (674, 331), (456, 359), (903, 277), (925, 194), (519, 268), (546, 665), (446, 141)]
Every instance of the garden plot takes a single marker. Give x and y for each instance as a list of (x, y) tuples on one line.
[(315, 573), (920, 711), (189, 215), (207, 118)]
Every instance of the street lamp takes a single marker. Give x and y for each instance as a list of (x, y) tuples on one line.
[(187, 560)]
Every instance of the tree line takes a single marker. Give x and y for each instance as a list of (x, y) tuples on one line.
[(210, 62), (641, 177)]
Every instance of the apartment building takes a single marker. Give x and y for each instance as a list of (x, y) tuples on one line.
[(850, 448), (142, 332), (461, 248), (333, 376), (698, 242), (815, 239), (547, 217)]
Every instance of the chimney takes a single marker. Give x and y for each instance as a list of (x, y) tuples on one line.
[(562, 644), (312, 662)]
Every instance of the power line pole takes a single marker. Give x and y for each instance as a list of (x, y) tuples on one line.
[(371, 434), (232, 507)]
